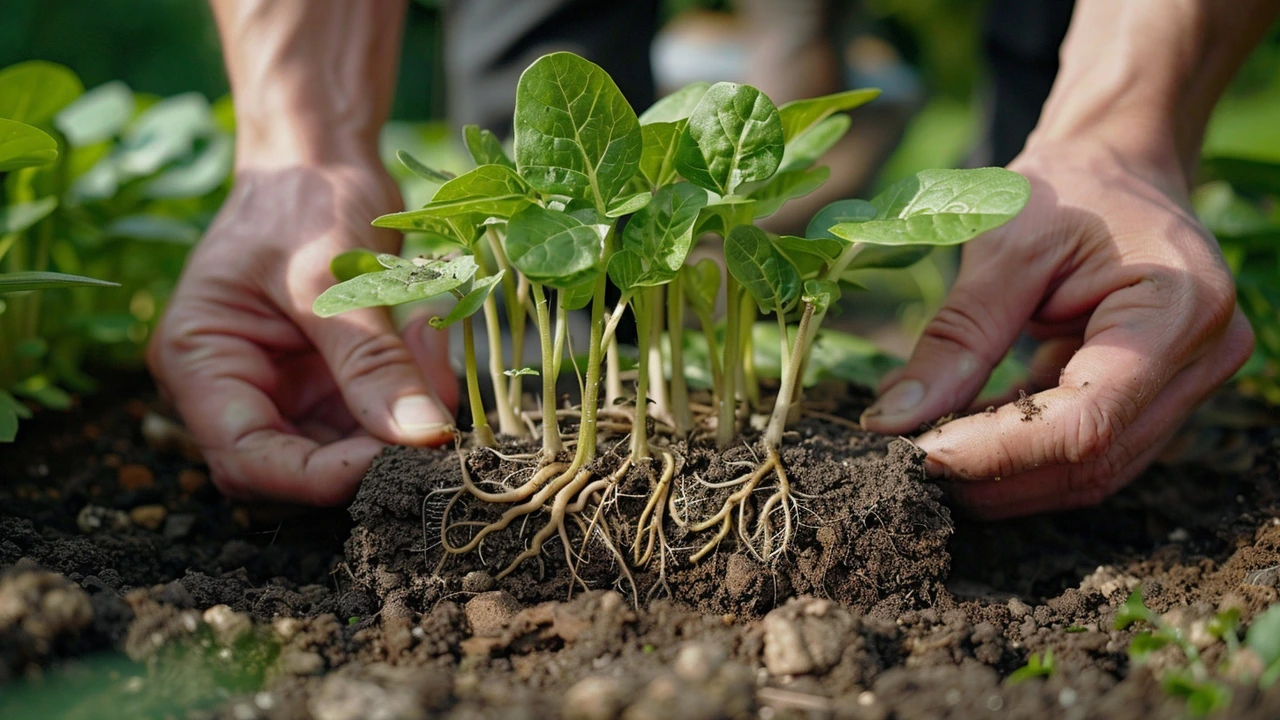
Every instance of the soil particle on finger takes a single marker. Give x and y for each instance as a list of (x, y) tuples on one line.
[(1027, 405)]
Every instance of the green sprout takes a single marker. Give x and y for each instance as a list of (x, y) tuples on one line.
[(596, 194), (1038, 666)]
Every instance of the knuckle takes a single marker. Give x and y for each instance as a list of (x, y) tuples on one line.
[(372, 355), (963, 322), (1100, 421)]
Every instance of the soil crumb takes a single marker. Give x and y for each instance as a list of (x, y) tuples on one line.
[(1030, 410)]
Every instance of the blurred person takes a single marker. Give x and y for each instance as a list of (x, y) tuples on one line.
[(1107, 265)]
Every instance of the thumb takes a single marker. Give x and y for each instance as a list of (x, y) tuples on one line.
[(380, 380), (952, 360)]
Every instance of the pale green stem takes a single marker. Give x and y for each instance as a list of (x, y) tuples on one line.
[(728, 422), (657, 379), (613, 373), (749, 383), (513, 299), (591, 393), (551, 444), (790, 378), (681, 415), (709, 334), (508, 423), (480, 423), (644, 320)]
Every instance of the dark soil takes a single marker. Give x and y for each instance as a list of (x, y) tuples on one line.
[(130, 588)]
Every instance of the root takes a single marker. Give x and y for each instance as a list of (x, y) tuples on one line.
[(649, 528), (563, 490), (766, 543)]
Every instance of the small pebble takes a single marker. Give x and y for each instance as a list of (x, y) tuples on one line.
[(93, 518), (150, 517), (477, 581), (179, 525), (135, 477)]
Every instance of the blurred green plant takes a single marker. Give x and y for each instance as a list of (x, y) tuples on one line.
[(101, 184)]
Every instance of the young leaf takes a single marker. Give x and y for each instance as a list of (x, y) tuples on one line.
[(520, 372), (353, 263), (626, 270), (1202, 696), (800, 115), (763, 271), (17, 218), (34, 280), (820, 293), (675, 106), (11, 411), (552, 248), (576, 134), (785, 186), (1133, 610), (734, 136), (33, 92), (1037, 666), (660, 235), (702, 284), (628, 204), (807, 147), (100, 114), (420, 169), (657, 161), (466, 202), (1263, 636), (24, 146), (941, 207), (484, 147), (810, 256), (470, 303), (395, 286), (1145, 643), (840, 211), (579, 296), (722, 217)]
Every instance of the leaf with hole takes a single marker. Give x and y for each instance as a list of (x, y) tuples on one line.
[(762, 271), (395, 286), (734, 136), (575, 132), (552, 248)]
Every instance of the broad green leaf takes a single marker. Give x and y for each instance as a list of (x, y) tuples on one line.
[(785, 186), (722, 217), (402, 284), (941, 207), (657, 162), (575, 133), (579, 296), (354, 263), (552, 248), (840, 211), (464, 203), (33, 92), (470, 303), (812, 144), (734, 136), (888, 257), (1263, 636), (676, 106), (626, 270), (98, 115), (702, 284), (660, 235), (866, 256), (392, 262), (422, 170), (809, 255), (800, 115), (484, 147), (820, 293), (628, 204), (17, 218), (762, 271), (22, 145), (163, 133), (34, 280)]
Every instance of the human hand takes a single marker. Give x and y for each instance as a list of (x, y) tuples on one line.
[(1134, 308), (287, 405)]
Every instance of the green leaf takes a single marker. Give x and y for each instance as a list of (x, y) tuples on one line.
[(628, 204), (763, 271), (354, 263), (734, 136), (100, 114), (810, 255), (484, 147), (676, 106), (801, 115), (422, 170), (579, 296), (521, 372), (39, 388), (159, 228), (1263, 636), (657, 161), (1224, 623), (552, 248), (17, 218), (840, 211), (661, 235), (785, 186), (395, 286), (941, 207), (702, 284), (462, 205), (1037, 666), (575, 133), (722, 217), (808, 147), (1202, 696), (470, 303), (392, 262), (626, 270), (867, 256), (33, 280), (820, 293), (22, 145), (165, 132), (33, 92), (1145, 643), (1133, 610), (11, 411)]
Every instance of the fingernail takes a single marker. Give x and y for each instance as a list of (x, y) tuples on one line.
[(895, 402), (420, 415)]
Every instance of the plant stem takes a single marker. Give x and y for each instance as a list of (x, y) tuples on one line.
[(709, 335), (681, 416), (790, 377), (551, 444), (644, 321), (657, 378), (749, 382), (480, 423), (515, 288), (728, 421), (508, 423), (613, 373), (591, 393)]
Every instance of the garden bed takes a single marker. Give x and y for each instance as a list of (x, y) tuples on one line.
[(885, 608)]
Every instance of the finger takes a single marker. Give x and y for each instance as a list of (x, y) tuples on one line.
[(1042, 373), (977, 325), (430, 350)]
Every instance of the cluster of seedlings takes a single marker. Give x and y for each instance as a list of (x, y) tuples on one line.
[(598, 195)]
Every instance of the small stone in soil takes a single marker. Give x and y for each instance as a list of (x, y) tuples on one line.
[(135, 477), (148, 516), (489, 612), (93, 518), (179, 525)]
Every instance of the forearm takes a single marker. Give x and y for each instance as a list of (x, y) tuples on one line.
[(312, 81), (1143, 75)]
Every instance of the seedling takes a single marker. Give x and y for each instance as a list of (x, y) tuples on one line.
[(595, 194), (1038, 666)]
